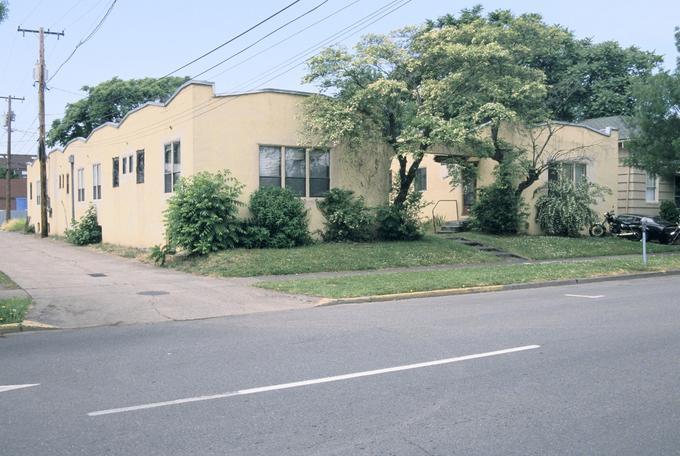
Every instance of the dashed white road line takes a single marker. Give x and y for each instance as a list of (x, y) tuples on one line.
[(315, 381), (584, 296), (4, 388)]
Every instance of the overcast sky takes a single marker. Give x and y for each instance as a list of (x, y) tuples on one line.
[(142, 38)]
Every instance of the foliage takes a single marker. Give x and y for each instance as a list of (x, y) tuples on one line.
[(498, 209), (3, 10), (252, 236), (564, 208), (282, 215), (669, 211), (656, 145), (584, 79), (14, 174), (160, 253), (14, 226), (13, 310), (86, 230), (108, 101), (396, 222), (347, 217), (201, 214)]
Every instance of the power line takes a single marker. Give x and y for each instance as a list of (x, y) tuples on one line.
[(231, 39), (86, 39), (261, 39)]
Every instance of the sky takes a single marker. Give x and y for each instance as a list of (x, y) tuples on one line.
[(145, 38)]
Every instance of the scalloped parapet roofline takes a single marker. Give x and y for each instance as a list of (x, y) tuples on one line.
[(165, 104)]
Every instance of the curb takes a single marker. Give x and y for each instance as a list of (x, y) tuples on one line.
[(26, 325), (492, 288)]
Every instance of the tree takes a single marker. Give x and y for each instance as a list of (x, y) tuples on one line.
[(3, 10), (417, 87), (108, 101), (656, 145), (584, 79)]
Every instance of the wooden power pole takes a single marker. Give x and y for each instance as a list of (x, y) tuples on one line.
[(8, 170), (41, 130)]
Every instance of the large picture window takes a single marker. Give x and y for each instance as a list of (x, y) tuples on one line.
[(305, 172), (173, 165), (571, 171)]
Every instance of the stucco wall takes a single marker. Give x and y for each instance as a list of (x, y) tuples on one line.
[(632, 189), (215, 133)]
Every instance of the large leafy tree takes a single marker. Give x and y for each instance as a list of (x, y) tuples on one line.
[(108, 101), (584, 79), (416, 88), (3, 10), (656, 145)]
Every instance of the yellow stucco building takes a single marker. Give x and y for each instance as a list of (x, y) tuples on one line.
[(128, 170)]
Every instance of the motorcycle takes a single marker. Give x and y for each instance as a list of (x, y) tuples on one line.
[(629, 226)]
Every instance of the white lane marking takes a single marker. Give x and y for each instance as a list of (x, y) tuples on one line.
[(315, 381), (584, 296), (4, 388)]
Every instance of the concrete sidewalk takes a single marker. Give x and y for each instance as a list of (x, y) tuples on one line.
[(74, 287)]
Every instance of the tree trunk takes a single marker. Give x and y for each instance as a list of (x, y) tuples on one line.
[(406, 178), (532, 176)]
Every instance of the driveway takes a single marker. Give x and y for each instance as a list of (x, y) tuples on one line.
[(74, 287)]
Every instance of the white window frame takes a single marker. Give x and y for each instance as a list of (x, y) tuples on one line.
[(174, 171), (81, 184), (654, 180), (97, 181), (308, 171)]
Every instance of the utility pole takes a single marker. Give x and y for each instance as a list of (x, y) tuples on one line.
[(8, 171), (41, 130)]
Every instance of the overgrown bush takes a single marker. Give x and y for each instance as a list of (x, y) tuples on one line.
[(564, 208), (669, 211), (347, 217), (14, 226), (159, 253), (252, 236), (201, 214), (86, 230), (400, 223), (498, 210), (282, 215)]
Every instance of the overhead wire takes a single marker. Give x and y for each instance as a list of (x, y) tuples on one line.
[(230, 40)]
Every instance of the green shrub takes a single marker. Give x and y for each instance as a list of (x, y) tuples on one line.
[(347, 217), (201, 214), (160, 253), (498, 210), (669, 211), (564, 208), (252, 236), (282, 215), (86, 230), (400, 223)]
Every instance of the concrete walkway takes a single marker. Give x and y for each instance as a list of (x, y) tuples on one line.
[(74, 287)]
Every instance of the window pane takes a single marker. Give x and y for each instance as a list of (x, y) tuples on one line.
[(140, 166), (124, 165), (175, 180), (295, 162), (168, 182), (421, 180), (176, 155), (568, 171), (296, 185), (553, 174), (168, 158), (270, 182), (130, 164), (318, 186), (116, 170), (319, 163), (270, 162), (579, 172)]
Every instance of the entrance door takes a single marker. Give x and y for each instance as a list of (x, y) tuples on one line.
[(469, 191)]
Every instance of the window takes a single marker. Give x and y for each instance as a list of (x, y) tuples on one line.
[(30, 191), (296, 170), (270, 166), (140, 166), (130, 164), (124, 165), (299, 178), (116, 170), (97, 181), (571, 171), (37, 192), (68, 186), (319, 172), (172, 168), (420, 181), (81, 184), (651, 188)]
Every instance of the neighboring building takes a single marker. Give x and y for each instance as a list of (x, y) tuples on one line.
[(19, 163), (639, 192), (581, 151), (128, 170)]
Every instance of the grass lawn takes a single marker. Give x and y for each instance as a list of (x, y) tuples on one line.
[(381, 284), (330, 257), (12, 310), (552, 247), (6, 282), (122, 251)]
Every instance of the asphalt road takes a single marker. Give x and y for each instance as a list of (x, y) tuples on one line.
[(605, 380)]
